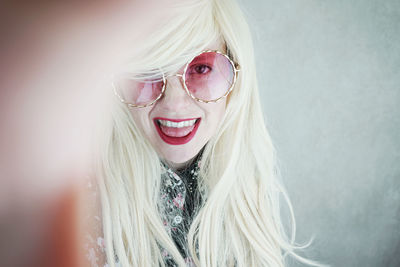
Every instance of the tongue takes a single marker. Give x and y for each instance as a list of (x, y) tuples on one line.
[(176, 132)]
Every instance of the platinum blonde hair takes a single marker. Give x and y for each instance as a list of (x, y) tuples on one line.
[(238, 222)]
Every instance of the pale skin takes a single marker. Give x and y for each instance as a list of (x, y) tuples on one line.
[(177, 104)]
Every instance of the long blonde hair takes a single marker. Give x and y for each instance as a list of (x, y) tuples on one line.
[(238, 223)]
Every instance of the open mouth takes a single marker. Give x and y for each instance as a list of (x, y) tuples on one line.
[(176, 132)]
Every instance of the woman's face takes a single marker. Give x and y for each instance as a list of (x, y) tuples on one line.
[(178, 145)]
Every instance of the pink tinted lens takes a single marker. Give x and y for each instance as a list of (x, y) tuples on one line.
[(139, 92), (209, 76)]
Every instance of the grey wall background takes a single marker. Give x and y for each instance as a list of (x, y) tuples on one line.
[(329, 74)]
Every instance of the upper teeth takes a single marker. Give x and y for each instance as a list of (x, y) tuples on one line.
[(177, 124)]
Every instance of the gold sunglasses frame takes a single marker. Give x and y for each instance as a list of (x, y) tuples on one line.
[(236, 69)]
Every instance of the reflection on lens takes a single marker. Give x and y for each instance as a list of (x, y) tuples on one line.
[(139, 92), (209, 76)]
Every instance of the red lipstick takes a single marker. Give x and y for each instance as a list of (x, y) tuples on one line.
[(172, 140)]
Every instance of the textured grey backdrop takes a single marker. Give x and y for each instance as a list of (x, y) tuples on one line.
[(329, 74)]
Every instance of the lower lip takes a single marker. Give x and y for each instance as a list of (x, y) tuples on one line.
[(177, 140)]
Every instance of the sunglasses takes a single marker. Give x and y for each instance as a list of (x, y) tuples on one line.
[(208, 77)]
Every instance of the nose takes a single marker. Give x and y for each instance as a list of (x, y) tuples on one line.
[(175, 97)]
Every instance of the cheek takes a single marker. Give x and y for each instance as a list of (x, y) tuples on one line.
[(221, 108), (216, 112)]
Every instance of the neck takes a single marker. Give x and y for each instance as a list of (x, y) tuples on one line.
[(179, 166)]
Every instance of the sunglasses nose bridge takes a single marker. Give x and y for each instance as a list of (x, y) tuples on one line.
[(176, 74), (175, 86)]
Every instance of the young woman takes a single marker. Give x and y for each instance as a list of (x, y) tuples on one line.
[(187, 171)]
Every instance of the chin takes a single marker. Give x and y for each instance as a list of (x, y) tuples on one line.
[(180, 155)]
